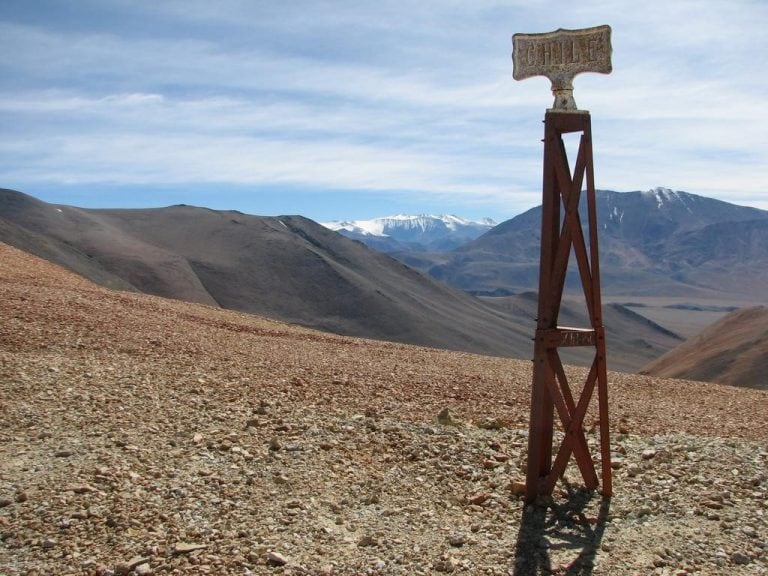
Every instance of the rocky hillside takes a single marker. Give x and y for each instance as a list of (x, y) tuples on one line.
[(733, 351), (288, 268), (140, 435)]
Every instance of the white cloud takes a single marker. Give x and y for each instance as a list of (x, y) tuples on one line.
[(188, 159), (380, 97)]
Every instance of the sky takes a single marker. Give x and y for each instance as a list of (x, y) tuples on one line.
[(356, 109)]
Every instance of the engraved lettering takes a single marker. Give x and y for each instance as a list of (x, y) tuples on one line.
[(585, 338), (574, 52), (592, 49), (560, 56)]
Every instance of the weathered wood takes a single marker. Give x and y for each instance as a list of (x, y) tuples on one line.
[(551, 391), (563, 337)]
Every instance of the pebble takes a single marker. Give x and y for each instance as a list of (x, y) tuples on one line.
[(132, 565), (457, 539), (648, 454), (493, 423), (367, 540), (447, 565), (187, 547), (80, 488), (517, 487), (478, 499), (446, 418), (275, 444), (447, 499), (740, 558), (276, 559)]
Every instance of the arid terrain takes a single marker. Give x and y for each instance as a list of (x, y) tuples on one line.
[(733, 350), (140, 435), (294, 270)]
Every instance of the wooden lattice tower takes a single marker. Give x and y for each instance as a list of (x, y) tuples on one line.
[(560, 56)]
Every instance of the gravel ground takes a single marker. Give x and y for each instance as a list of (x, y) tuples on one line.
[(147, 436)]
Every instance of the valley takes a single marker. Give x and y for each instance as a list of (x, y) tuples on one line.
[(684, 316), (672, 263)]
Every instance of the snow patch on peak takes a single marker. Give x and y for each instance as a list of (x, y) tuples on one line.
[(424, 222), (616, 215), (363, 227), (421, 232), (665, 195)]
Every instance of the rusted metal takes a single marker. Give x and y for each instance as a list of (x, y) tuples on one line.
[(562, 232)]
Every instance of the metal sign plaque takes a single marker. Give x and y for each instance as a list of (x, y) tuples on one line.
[(560, 56)]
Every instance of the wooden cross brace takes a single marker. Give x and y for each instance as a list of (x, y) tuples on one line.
[(551, 389)]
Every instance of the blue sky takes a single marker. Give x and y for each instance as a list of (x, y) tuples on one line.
[(356, 109)]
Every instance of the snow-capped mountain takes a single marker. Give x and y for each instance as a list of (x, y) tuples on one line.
[(405, 232), (658, 241)]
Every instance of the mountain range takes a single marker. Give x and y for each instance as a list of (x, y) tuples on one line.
[(293, 269), (404, 232), (659, 242)]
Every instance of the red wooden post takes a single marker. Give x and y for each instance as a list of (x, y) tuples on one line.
[(560, 56), (561, 231)]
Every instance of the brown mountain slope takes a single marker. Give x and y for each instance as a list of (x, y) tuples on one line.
[(734, 350), (144, 435), (98, 248), (49, 311), (288, 268)]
